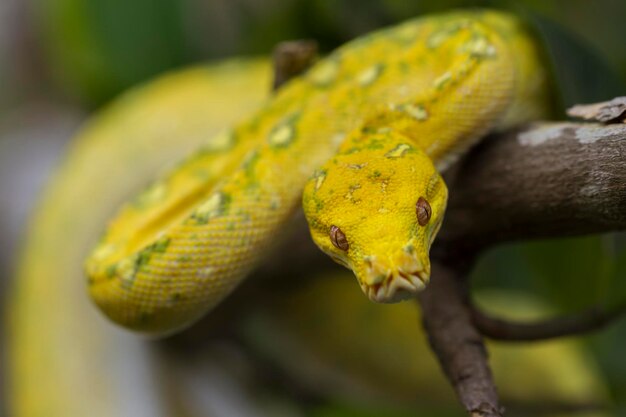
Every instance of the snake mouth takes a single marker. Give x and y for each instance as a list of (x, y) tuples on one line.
[(396, 287)]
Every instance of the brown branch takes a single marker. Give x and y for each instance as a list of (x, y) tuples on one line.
[(591, 320), (292, 58), (457, 344), (549, 180)]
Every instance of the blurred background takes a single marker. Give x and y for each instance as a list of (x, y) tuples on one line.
[(63, 60)]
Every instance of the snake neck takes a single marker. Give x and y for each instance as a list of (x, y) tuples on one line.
[(493, 80)]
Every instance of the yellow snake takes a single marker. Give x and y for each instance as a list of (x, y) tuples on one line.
[(66, 361), (359, 139)]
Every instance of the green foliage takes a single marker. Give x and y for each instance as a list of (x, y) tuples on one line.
[(99, 48), (580, 73), (570, 273)]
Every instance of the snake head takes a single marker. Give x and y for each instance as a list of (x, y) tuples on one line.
[(376, 208)]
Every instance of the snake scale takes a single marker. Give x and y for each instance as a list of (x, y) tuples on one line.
[(359, 140)]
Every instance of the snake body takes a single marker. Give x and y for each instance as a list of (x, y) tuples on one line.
[(363, 134), (65, 359)]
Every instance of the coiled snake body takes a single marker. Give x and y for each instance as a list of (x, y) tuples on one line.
[(362, 134)]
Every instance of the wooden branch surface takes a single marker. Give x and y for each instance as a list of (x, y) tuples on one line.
[(547, 180)]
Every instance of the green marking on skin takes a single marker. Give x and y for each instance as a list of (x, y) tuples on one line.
[(110, 271), (214, 206), (160, 245)]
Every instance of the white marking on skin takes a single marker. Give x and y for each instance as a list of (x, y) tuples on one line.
[(205, 273), (437, 39), (350, 194), (591, 134), (319, 181), (481, 48), (282, 135), (126, 269), (442, 80), (211, 207), (356, 166), (398, 151), (369, 75), (383, 185), (416, 111), (542, 135)]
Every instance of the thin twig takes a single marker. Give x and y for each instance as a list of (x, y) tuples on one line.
[(547, 180), (587, 321), (292, 58)]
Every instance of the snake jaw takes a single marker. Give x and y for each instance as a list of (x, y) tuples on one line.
[(396, 287), (383, 284)]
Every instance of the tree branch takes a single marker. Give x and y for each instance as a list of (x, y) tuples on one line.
[(587, 321), (548, 180), (458, 345)]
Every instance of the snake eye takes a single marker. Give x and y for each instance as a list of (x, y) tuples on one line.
[(338, 238), (423, 211)]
